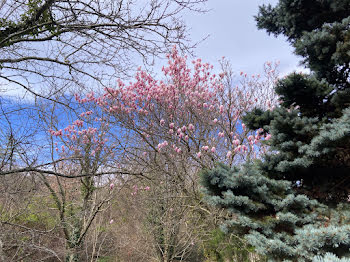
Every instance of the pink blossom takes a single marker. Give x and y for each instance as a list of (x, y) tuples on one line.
[(77, 97), (221, 134), (213, 149), (215, 121), (268, 137), (111, 221), (90, 96), (229, 154), (236, 142), (190, 127), (238, 148), (147, 188), (171, 125), (86, 113), (162, 122), (55, 133), (78, 123), (163, 144), (205, 148), (111, 186), (199, 154)]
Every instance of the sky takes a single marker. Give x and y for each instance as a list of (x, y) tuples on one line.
[(232, 32)]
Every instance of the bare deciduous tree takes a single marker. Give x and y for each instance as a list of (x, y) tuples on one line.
[(46, 45)]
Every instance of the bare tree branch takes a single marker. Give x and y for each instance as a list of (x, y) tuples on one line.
[(83, 40)]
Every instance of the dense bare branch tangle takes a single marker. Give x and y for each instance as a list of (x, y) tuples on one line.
[(48, 45)]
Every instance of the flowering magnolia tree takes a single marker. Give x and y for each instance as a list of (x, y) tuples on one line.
[(166, 131), (84, 156), (192, 116)]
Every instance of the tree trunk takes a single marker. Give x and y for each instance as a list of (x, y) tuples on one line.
[(73, 254), (2, 255)]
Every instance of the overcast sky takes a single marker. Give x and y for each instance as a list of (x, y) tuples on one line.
[(232, 32)]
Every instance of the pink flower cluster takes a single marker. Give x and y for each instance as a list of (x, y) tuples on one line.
[(190, 114), (76, 139), (136, 189), (162, 145)]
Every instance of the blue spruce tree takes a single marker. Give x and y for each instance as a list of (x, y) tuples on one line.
[(293, 204)]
